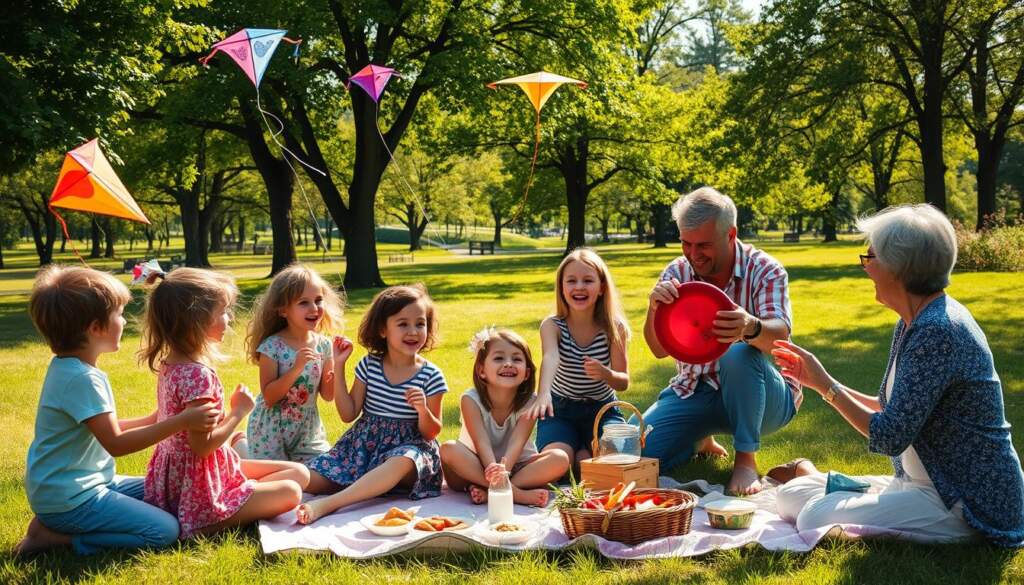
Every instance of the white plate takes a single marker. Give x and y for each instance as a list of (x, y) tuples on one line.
[(468, 521), (492, 536), (369, 523)]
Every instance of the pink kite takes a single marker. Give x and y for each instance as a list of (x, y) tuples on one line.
[(372, 79)]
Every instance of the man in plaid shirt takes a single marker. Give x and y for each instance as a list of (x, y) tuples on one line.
[(741, 393)]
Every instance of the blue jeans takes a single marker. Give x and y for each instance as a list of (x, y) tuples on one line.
[(573, 422), (115, 518), (752, 400)]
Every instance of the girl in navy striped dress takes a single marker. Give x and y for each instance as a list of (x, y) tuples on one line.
[(399, 393), (584, 345)]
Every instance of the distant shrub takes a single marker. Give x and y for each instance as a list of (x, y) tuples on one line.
[(999, 247)]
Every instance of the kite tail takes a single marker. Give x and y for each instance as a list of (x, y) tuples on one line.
[(275, 133), (67, 236), (533, 167), (298, 180), (205, 59), (401, 175), (296, 51)]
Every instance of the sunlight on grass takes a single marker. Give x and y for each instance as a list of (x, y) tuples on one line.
[(835, 315)]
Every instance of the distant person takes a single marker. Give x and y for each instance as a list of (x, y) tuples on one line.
[(71, 481), (938, 413), (584, 364), (741, 393)]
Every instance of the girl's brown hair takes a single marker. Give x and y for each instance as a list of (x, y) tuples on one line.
[(180, 308), (287, 286), (608, 311), (481, 345), (388, 302)]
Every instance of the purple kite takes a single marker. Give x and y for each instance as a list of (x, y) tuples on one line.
[(372, 79)]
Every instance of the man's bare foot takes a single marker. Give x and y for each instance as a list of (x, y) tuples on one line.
[(477, 494), (39, 538), (710, 448), (745, 481), (535, 497), (794, 469)]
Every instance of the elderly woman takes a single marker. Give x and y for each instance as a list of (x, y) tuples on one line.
[(938, 413)]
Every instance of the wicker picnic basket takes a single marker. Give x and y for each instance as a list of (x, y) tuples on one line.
[(634, 526)]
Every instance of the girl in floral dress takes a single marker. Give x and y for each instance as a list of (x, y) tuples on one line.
[(195, 475), (287, 341), (398, 393)]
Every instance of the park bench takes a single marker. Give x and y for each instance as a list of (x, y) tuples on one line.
[(400, 258), (260, 249), (482, 245), (791, 238)]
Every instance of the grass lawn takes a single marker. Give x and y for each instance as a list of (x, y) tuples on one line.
[(835, 315)]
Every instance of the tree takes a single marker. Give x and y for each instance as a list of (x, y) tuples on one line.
[(989, 100), (826, 49), (28, 192), (71, 71)]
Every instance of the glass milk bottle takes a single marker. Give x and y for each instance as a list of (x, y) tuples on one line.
[(499, 499)]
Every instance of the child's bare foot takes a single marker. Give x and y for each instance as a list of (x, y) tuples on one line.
[(39, 538), (477, 494), (535, 497), (710, 448), (308, 513), (745, 481)]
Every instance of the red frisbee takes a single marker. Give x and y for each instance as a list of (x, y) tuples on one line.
[(684, 326)]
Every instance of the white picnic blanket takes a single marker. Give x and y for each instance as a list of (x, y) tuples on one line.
[(344, 535)]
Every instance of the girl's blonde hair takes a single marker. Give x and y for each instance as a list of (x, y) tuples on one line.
[(481, 346), (180, 309), (608, 311), (284, 289)]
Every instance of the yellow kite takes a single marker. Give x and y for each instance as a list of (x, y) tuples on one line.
[(538, 87), (88, 183)]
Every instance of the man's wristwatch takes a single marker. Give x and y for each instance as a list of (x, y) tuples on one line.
[(757, 330), (833, 390)]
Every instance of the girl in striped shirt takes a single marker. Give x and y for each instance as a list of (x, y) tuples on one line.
[(399, 393), (584, 364)]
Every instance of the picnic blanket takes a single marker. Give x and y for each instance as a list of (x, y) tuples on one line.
[(344, 535)]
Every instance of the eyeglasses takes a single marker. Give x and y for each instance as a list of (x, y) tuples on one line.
[(864, 259)]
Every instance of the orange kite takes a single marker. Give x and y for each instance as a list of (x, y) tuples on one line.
[(87, 182)]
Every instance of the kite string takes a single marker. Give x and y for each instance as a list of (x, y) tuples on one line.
[(298, 180), (67, 236), (533, 166), (401, 175)]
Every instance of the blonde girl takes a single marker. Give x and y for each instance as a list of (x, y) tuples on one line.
[(195, 475), (398, 394), (288, 339), (584, 364), (496, 427)]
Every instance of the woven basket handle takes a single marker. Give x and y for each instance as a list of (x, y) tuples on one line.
[(604, 409)]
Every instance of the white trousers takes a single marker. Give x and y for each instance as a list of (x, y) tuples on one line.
[(914, 509)]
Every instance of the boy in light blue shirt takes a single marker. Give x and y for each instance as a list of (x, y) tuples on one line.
[(70, 478)]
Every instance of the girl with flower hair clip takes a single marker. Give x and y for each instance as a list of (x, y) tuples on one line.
[(496, 427)]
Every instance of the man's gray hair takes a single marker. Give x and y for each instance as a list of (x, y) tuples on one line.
[(916, 243), (697, 208)]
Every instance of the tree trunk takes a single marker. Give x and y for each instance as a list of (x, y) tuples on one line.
[(496, 214), (659, 220), (97, 246), (574, 171), (989, 154), (241, 233), (110, 238), (195, 240)]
